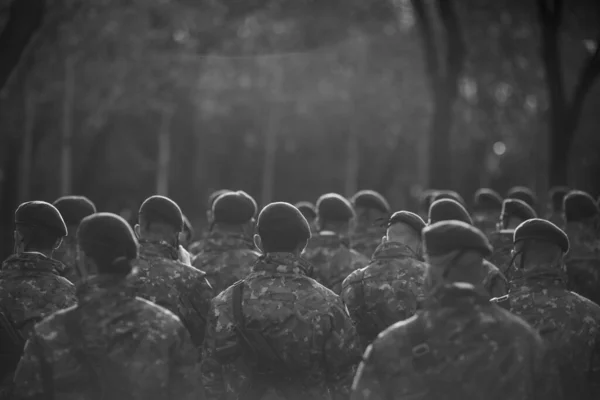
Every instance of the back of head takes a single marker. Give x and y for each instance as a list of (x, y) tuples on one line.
[(557, 196), (333, 210), (213, 196), (108, 240), (524, 194), (405, 227), (234, 209), (307, 209), (514, 212), (161, 218), (580, 207), (369, 206), (282, 228), (540, 243), (39, 225), (447, 210), (74, 208), (487, 200), (450, 195)]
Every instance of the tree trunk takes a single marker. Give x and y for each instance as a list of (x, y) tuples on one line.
[(66, 159), (27, 147), (164, 153)]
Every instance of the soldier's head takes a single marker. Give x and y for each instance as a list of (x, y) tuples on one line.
[(448, 210), (188, 232), (539, 244), (557, 196), (449, 195), (74, 209), (334, 213), (39, 227), (160, 219), (369, 207), (524, 194), (234, 212), (580, 208), (425, 201), (406, 228), (106, 245), (210, 201), (281, 228), (454, 252), (514, 212), (487, 206), (309, 211)]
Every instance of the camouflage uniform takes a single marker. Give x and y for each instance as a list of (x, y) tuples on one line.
[(386, 291), (502, 242), (366, 240), (495, 283), (583, 262), (459, 346), (332, 259), (305, 325), (67, 255), (32, 288), (139, 350), (226, 258), (179, 288)]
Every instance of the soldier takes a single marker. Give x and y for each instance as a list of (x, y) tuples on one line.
[(73, 209), (459, 346), (583, 261), (569, 323), (162, 278), (554, 211), (487, 207), (279, 334), (329, 251), (514, 212), (196, 247), (451, 195), (227, 256), (524, 194), (111, 344), (450, 210), (390, 287), (309, 211), (370, 208), (425, 202)]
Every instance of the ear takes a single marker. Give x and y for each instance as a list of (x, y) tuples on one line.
[(258, 243), (209, 217), (181, 237), (58, 243), (137, 230)]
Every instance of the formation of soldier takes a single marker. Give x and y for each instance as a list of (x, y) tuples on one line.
[(341, 299)]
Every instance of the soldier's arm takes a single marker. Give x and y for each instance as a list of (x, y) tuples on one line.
[(185, 380), (342, 352), (547, 382), (195, 307), (28, 382), (366, 385), (351, 298)]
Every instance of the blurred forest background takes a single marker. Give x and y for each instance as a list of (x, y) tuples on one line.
[(121, 99)]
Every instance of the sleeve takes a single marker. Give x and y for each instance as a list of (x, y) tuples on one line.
[(366, 385), (342, 352), (546, 381), (194, 308), (185, 382), (352, 301), (28, 382), (220, 343)]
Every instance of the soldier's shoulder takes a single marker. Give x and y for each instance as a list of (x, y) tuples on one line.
[(588, 306), (514, 324), (54, 322), (391, 341), (158, 315), (354, 277)]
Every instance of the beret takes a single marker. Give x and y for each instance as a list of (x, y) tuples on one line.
[(487, 199), (427, 198), (518, 209), (334, 207), (522, 193), (251, 199), (449, 194), (39, 214), (162, 209), (282, 219), (446, 236), (446, 210), (307, 209), (557, 195), (579, 206), (74, 208), (104, 233), (370, 199), (542, 230), (233, 208), (213, 196), (407, 218)]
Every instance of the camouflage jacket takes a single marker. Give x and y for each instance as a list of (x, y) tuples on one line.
[(569, 323), (502, 242), (31, 288), (225, 258), (292, 339), (179, 288), (332, 259), (459, 346), (386, 291), (583, 262), (67, 255), (495, 283), (365, 241), (112, 345)]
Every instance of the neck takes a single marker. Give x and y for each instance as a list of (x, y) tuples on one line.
[(339, 229), (228, 228), (155, 238), (47, 253)]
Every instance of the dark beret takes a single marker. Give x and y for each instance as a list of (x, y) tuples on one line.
[(334, 207), (541, 230), (213, 196), (446, 236), (103, 233), (283, 219), (162, 209), (407, 218), (518, 209), (524, 194), (451, 195), (74, 208), (187, 226), (251, 200), (487, 200), (370, 199), (233, 208), (447, 210), (307, 209), (427, 198), (579, 206), (557, 196), (39, 214)]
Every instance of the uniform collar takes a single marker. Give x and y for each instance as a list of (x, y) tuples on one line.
[(222, 241), (329, 239), (153, 249), (393, 250), (107, 287), (283, 263), (455, 295), (32, 261), (542, 277)]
